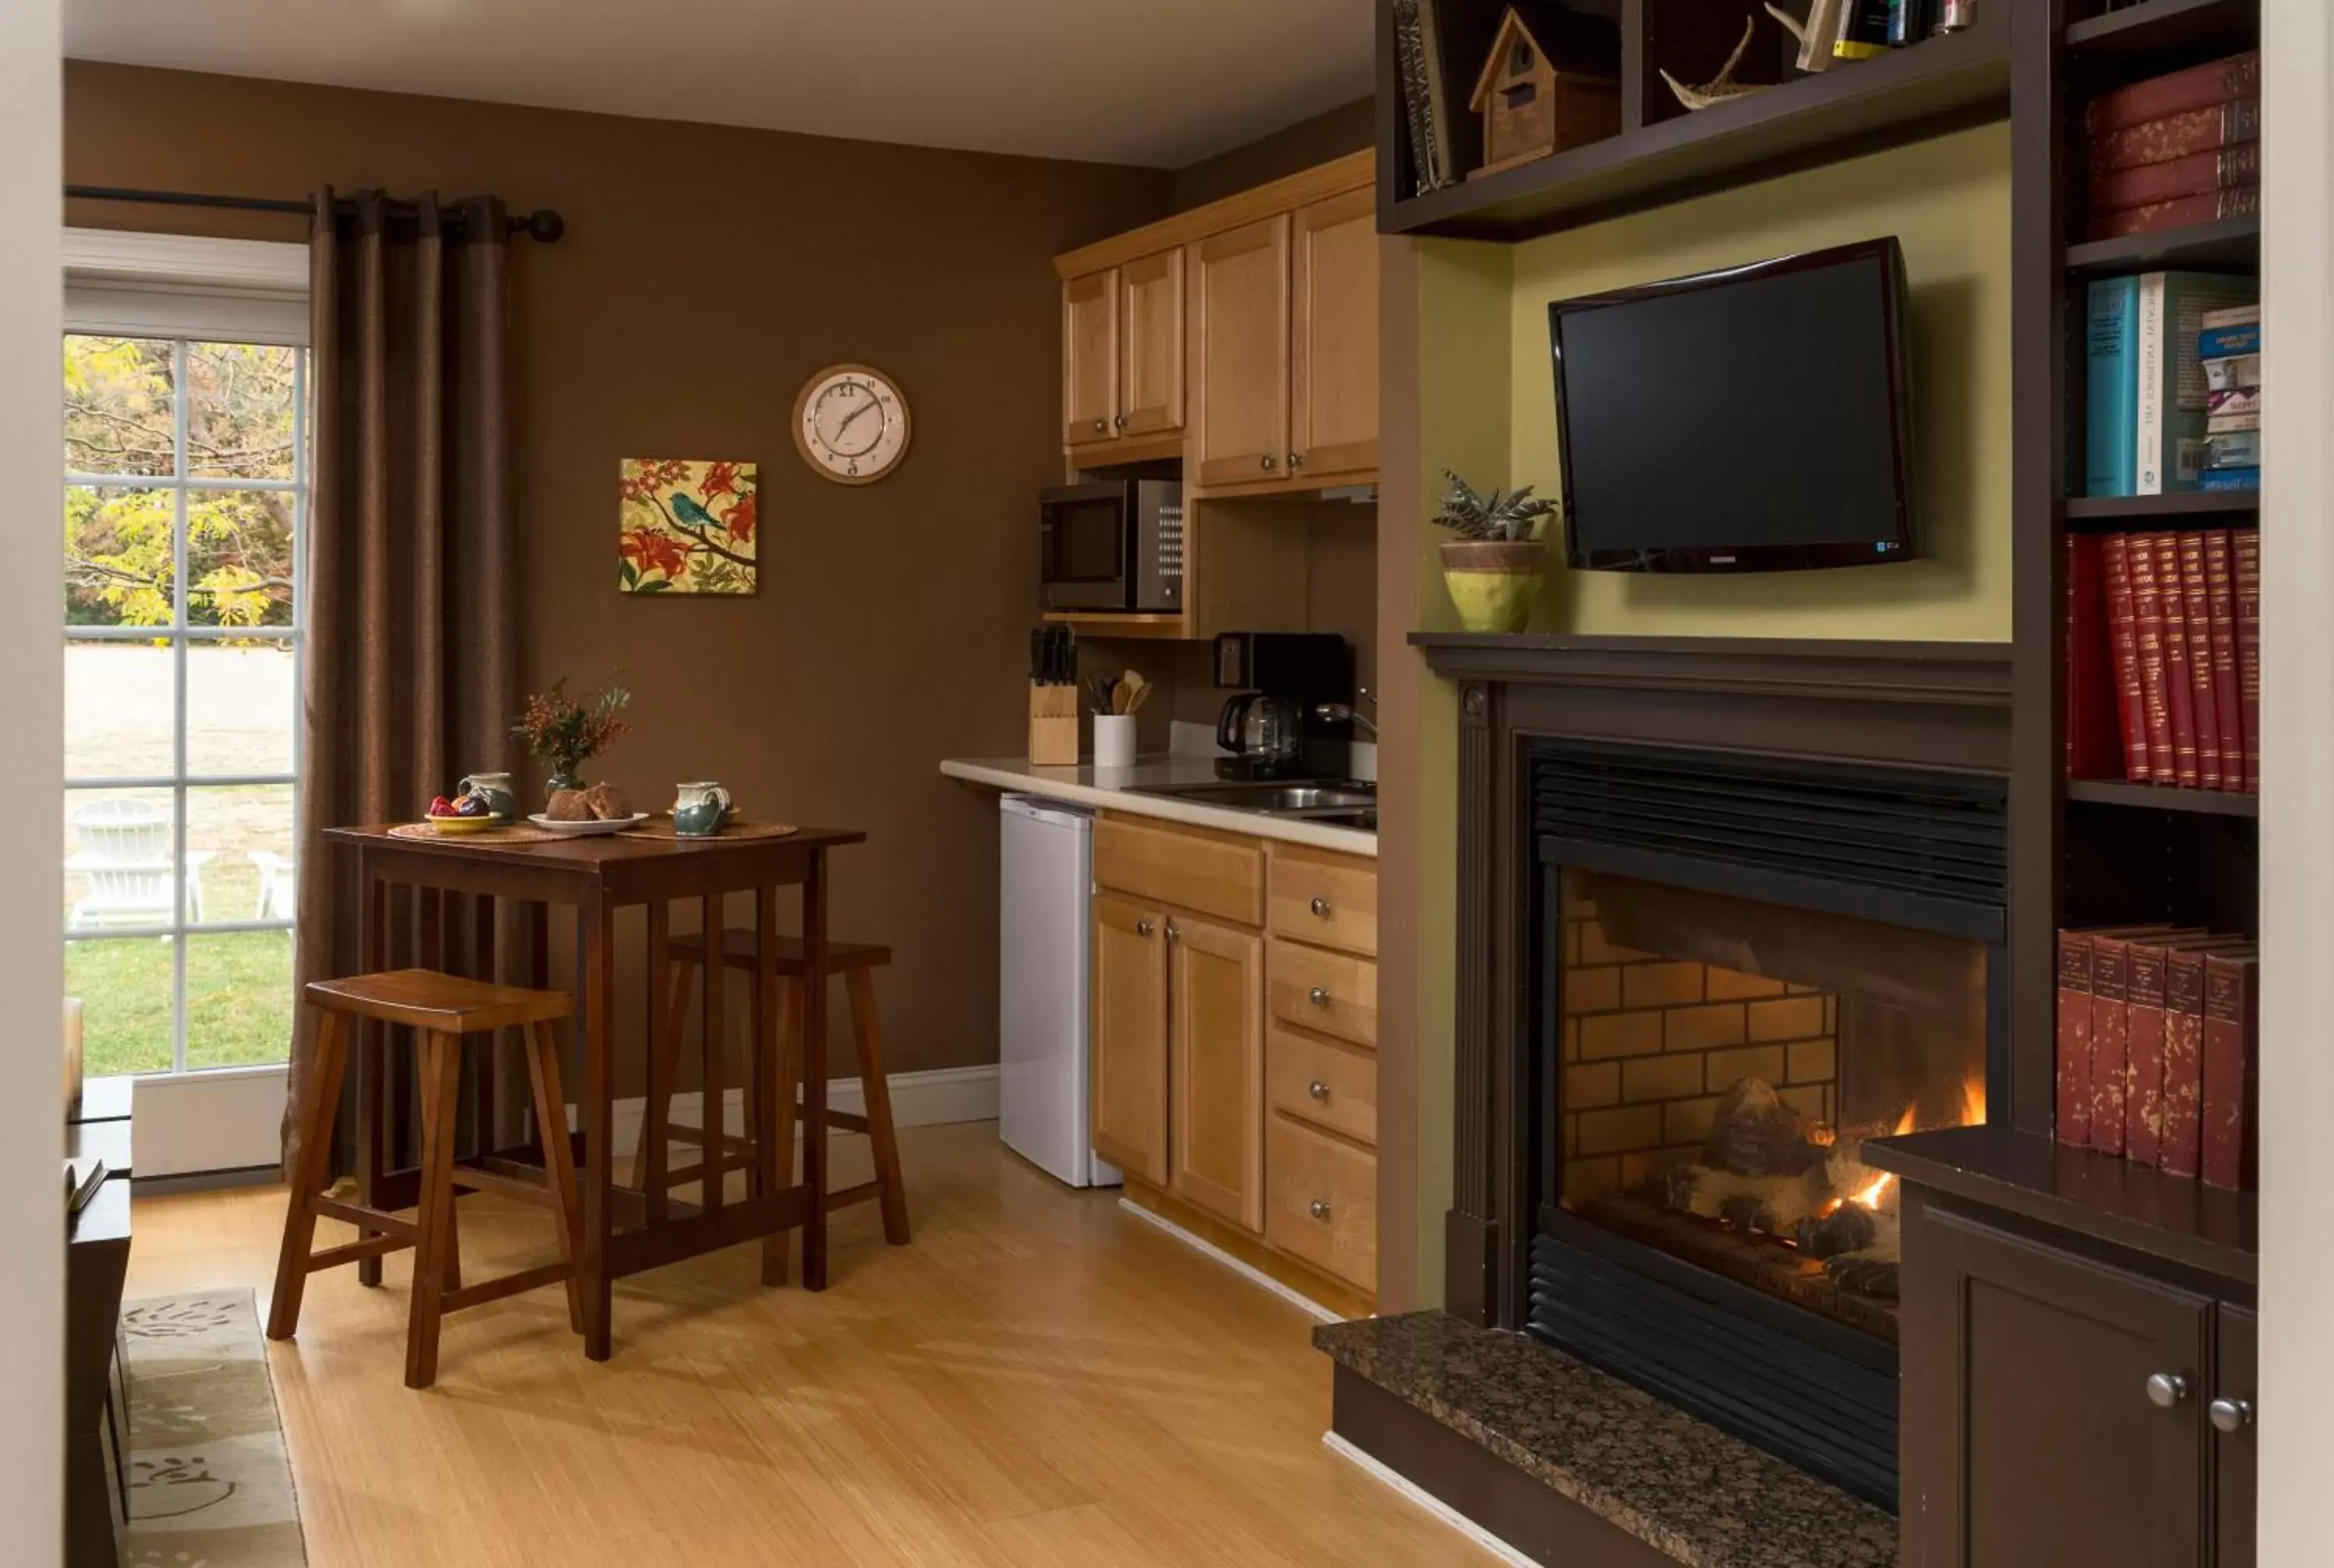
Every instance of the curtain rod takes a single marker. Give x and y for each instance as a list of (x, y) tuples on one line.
[(544, 227)]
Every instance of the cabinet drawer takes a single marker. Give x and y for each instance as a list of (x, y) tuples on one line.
[(1322, 1202), (1314, 988), (1314, 1081), (1326, 899), (1219, 874)]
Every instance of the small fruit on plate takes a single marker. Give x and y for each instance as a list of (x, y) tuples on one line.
[(473, 806), (441, 807)]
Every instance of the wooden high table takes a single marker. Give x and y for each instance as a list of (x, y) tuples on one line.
[(595, 877)]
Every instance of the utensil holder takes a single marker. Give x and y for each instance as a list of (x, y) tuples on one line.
[(1113, 745), (1053, 726)]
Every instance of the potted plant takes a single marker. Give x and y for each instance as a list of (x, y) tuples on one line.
[(567, 732), (1494, 568)]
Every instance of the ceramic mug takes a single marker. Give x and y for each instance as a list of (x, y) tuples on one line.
[(496, 788), (699, 809)]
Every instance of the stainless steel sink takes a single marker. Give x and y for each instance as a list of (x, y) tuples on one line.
[(1337, 802)]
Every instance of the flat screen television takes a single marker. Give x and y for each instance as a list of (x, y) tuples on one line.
[(1753, 420)]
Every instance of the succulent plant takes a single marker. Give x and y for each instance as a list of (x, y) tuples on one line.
[(1507, 516)]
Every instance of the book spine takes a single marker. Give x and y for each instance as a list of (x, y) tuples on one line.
[(2110, 1040), (2231, 372), (2179, 687), (2143, 1118), (2229, 479), (2221, 617), (2207, 129), (2147, 615), (2123, 632), (2197, 600), (2198, 174), (2244, 544), (2198, 87), (2074, 1098), (2112, 387), (2184, 1060), (2239, 201), (2232, 449), (2230, 1074), (2150, 338), (2228, 342), (2093, 750)]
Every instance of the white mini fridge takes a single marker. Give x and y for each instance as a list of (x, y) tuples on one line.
[(1045, 890)]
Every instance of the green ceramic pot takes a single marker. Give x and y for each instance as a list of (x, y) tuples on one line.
[(1494, 582)]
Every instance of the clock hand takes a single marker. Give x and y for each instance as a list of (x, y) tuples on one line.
[(867, 408)]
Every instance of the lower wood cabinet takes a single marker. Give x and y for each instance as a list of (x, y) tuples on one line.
[(1127, 1041), (1215, 1068), (1323, 1202)]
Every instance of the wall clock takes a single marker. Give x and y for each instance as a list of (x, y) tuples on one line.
[(851, 424)]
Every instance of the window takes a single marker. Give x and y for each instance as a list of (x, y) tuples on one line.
[(185, 498)]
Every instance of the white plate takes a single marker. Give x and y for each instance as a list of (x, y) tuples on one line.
[(587, 830)]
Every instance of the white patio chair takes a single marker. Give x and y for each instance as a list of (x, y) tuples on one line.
[(125, 855), (279, 885)]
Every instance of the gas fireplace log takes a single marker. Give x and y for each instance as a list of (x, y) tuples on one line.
[(1774, 1203), (1754, 1133)]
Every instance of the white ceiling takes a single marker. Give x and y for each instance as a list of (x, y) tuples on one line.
[(1164, 82)]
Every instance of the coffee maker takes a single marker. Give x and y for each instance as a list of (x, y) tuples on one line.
[(1275, 728)]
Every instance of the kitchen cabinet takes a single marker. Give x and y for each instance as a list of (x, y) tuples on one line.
[(1128, 1039), (1240, 339), (1090, 358), (1122, 354), (1332, 362), (1215, 1068), (2236, 1371)]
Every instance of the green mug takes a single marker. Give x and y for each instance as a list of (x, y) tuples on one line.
[(699, 810)]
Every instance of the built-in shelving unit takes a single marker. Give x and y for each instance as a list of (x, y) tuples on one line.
[(2231, 507), (2232, 242), (2157, 798), (1129, 626)]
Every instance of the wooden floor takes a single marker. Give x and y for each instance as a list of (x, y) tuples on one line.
[(1039, 1380)]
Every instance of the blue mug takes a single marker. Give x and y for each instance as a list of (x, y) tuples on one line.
[(699, 810)]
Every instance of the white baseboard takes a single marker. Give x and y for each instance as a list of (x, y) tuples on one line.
[(1247, 1271), (1426, 1501), (943, 1095)]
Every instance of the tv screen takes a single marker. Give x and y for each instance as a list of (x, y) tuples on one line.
[(1753, 420)]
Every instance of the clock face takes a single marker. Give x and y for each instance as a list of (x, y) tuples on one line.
[(851, 424)]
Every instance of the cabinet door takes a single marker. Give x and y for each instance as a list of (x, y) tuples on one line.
[(1128, 1051), (1240, 351), (1334, 355), (1215, 1027), (2235, 1376), (2031, 1438), (1150, 336), (1090, 359)]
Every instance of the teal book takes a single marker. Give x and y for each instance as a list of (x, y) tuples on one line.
[(2111, 423)]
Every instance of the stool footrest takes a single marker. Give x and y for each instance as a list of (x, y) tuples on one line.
[(696, 1137), (508, 1284), (357, 1251), (365, 1218), (727, 1163), (844, 1197), (509, 1179)]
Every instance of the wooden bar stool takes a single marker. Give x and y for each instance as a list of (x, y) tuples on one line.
[(725, 1151), (446, 1012)]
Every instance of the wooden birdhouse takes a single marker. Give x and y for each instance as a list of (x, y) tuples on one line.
[(1552, 82)]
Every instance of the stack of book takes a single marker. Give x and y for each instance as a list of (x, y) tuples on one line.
[(2148, 419), (2228, 350), (2163, 658), (2175, 150), (2158, 1031)]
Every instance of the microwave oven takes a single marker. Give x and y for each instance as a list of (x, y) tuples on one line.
[(1116, 545)]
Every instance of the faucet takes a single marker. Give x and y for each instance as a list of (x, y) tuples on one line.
[(1346, 712)]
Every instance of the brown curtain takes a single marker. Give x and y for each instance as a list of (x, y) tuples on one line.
[(411, 672)]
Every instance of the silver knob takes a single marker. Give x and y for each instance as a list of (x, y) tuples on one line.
[(1318, 1208), (1142, 927), (1122, 421), (1317, 996), (1297, 459), (1174, 935), (1319, 1090), (2229, 1415), (1101, 426), (1321, 908), (2166, 1390), (1269, 462)]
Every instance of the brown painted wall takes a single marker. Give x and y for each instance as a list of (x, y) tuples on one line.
[(1300, 146), (707, 272)]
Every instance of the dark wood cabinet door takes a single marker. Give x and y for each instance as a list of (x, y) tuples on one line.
[(2031, 1438), (2235, 1376)]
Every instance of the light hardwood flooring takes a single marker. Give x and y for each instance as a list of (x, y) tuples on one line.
[(1039, 1380)]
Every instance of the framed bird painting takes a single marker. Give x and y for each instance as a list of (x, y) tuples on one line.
[(688, 527)]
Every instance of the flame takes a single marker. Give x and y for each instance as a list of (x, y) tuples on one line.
[(1870, 1196), (1974, 1103)]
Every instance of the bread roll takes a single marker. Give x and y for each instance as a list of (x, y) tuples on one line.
[(569, 806), (605, 803)]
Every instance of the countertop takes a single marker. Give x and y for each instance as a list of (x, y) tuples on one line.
[(1110, 789)]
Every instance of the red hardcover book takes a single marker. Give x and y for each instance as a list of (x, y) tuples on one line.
[(2183, 1061), (2122, 641), (2147, 616), (2183, 135), (2228, 697), (2238, 201), (2196, 597), (2198, 87), (2198, 174), (2244, 544), (2179, 690), (2073, 1106), (2231, 1075), (2110, 1040), (2094, 748), (2143, 1121)]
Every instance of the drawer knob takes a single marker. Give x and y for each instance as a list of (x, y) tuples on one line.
[(1319, 1090), (1101, 426), (1317, 996), (2166, 1390), (1142, 927), (2230, 1417), (1321, 908), (1270, 462), (1122, 421), (1318, 1208), (1173, 934)]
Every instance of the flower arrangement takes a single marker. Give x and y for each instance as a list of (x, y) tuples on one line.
[(567, 732)]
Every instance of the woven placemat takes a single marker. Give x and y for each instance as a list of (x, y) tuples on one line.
[(735, 828), (517, 833)]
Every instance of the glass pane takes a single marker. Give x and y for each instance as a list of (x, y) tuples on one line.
[(118, 556), (118, 699), (239, 400), (118, 859), (118, 414), (124, 986), (239, 853), (239, 558), (238, 998), (240, 702)]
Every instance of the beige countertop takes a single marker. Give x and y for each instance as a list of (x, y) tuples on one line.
[(1111, 789)]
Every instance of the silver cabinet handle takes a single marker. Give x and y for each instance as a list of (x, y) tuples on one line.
[(1142, 927), (2230, 1417), (1318, 1208), (1101, 427), (1321, 908), (1319, 1090), (1174, 935), (2166, 1390), (1317, 996), (1122, 421), (1269, 462), (1297, 459)]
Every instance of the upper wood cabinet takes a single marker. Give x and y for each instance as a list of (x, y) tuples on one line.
[(1215, 1068), (1128, 1047), (1090, 404), (1333, 396), (1239, 354), (1151, 332)]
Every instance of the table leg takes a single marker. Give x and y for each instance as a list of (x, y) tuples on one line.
[(767, 1108), (595, 932), (484, 968), (814, 1008), (714, 1096), (372, 1051), (650, 1161)]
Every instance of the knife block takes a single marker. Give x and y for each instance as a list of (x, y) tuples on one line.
[(1053, 726)]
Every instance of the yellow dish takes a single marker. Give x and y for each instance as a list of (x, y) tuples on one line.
[(459, 825)]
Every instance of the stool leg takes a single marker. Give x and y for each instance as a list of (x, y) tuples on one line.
[(319, 1107), (442, 1069), (775, 1246), (558, 1154), (869, 1033), (647, 1161)]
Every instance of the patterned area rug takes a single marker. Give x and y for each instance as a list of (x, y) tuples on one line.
[(209, 1485)]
